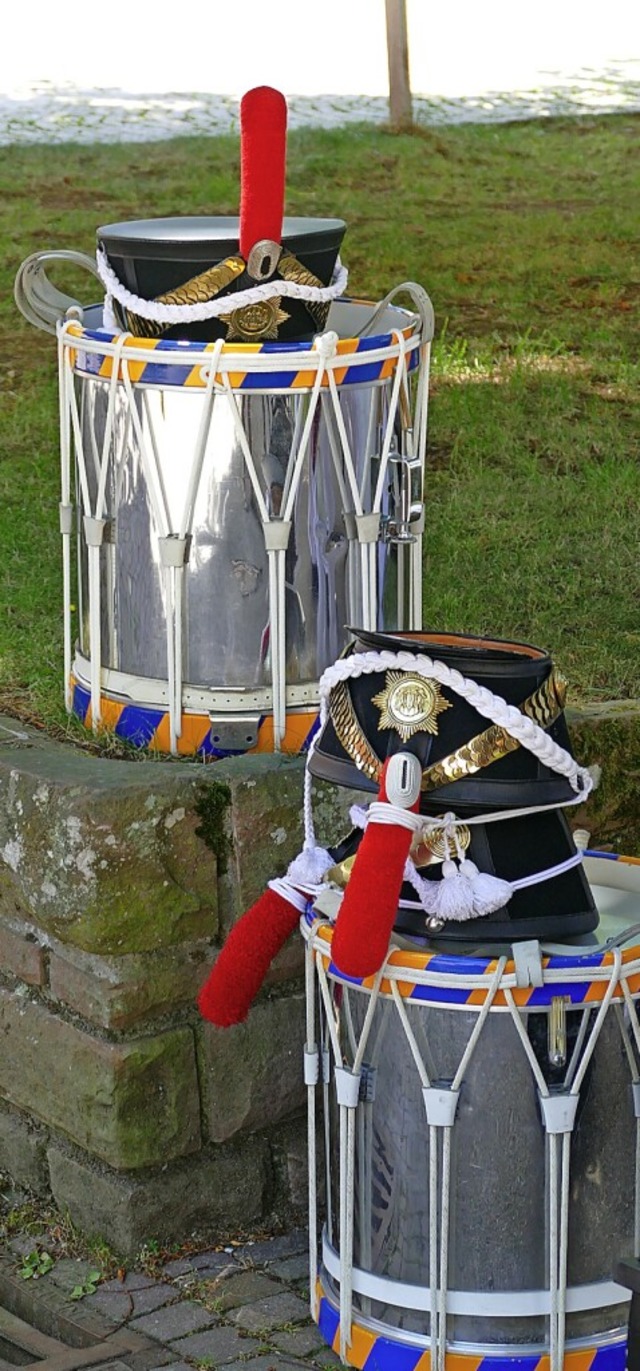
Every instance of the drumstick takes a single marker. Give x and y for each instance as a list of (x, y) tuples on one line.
[(263, 139), (370, 903)]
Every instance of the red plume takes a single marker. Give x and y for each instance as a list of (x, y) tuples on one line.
[(263, 141), (370, 903), (242, 965)]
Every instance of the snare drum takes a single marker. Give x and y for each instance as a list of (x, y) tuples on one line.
[(482, 1146), (237, 506)]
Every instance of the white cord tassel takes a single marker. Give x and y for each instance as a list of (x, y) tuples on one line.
[(309, 866)]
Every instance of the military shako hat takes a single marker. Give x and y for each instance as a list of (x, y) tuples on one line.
[(485, 719)]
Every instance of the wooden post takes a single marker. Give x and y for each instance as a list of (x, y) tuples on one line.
[(400, 109)]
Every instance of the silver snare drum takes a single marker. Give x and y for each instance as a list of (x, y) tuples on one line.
[(481, 1123), (238, 505)]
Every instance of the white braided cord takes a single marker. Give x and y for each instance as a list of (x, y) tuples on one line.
[(212, 309), (490, 706)]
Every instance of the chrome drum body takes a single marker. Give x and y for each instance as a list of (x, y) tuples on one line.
[(238, 506), (481, 1140)]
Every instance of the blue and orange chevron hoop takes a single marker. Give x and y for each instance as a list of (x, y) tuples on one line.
[(443, 971), (377, 359), (147, 726), (374, 1351)]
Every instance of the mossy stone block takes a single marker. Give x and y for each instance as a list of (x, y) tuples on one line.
[(133, 1104), (608, 736)]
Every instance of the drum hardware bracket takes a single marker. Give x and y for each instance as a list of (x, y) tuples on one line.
[(326, 1065), (347, 1087), (557, 1030), (234, 732), (94, 530), (559, 1111), (311, 1066), (66, 518), (527, 961), (328, 903), (276, 534), (441, 1103), (263, 259), (368, 527), (174, 550), (368, 1078)]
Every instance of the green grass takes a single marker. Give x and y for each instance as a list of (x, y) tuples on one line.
[(525, 236)]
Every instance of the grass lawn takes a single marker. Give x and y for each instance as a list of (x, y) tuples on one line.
[(525, 236)]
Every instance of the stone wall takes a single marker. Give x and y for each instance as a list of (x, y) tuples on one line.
[(118, 882)]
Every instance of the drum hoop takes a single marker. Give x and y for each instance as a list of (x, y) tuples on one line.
[(282, 366), (494, 1304), (152, 692), (463, 982), (510, 1354)]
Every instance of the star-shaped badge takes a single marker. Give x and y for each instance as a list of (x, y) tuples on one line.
[(409, 704)]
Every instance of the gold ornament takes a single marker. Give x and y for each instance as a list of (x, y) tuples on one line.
[(409, 704), (198, 291), (252, 323)]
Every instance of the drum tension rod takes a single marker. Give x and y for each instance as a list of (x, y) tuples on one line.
[(557, 1030)]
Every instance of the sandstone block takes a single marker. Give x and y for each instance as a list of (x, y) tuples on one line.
[(23, 1151), (252, 1073), (116, 992), (213, 1191), (21, 954), (133, 1103), (103, 854), (608, 736)]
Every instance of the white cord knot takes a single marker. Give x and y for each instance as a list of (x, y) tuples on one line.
[(309, 867), (326, 344)]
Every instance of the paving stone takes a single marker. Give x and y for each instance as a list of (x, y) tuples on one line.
[(244, 1288), (217, 1345), (326, 1358), (168, 1324), (291, 1269), (134, 1280), (299, 1342), (174, 1366), (150, 1360), (181, 1267), (115, 1305), (211, 1261), (263, 1315), (71, 1271), (273, 1249), (270, 1361)]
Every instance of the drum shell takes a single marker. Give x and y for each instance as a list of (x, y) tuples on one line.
[(499, 1195), (226, 586)]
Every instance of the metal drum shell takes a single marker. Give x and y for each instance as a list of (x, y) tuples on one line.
[(227, 637), (499, 1235)]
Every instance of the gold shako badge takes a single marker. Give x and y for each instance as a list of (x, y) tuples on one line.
[(409, 704)]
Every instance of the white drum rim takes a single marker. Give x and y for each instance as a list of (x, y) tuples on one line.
[(153, 692), (494, 1304), (404, 1337)]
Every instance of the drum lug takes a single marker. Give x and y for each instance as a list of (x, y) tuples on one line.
[(441, 1103), (368, 1078), (408, 508), (234, 732), (559, 1112)]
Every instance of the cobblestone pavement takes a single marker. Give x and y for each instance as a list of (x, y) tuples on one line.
[(46, 113), (245, 1308)]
